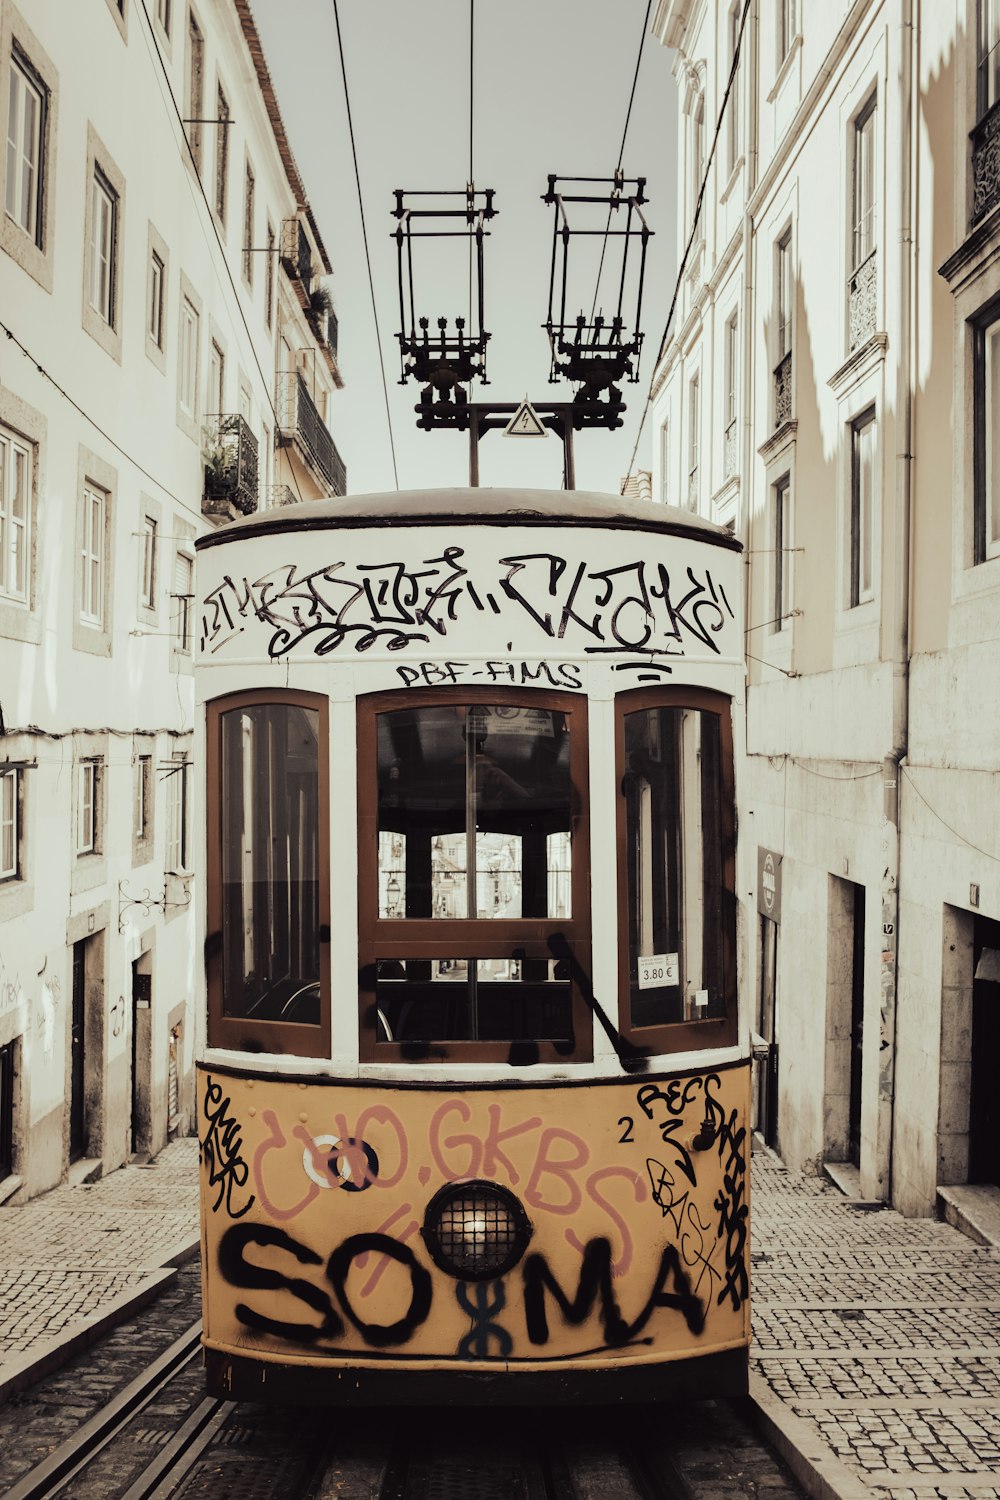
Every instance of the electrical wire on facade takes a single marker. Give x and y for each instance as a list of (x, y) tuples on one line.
[(364, 236), (88, 418), (265, 383), (906, 774), (621, 153), (734, 69)]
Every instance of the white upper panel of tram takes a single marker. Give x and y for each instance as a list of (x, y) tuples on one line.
[(463, 579)]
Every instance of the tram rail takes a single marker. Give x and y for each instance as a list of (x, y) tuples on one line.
[(55, 1473)]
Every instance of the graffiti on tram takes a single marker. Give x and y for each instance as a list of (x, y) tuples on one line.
[(640, 607), (315, 1235)]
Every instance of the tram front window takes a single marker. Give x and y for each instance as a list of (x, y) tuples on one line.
[(678, 869), (270, 863), (474, 873)]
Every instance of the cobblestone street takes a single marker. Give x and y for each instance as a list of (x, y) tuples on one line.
[(876, 1354), (876, 1340)]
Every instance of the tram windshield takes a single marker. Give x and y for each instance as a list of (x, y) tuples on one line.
[(475, 827), (270, 863), (679, 914)]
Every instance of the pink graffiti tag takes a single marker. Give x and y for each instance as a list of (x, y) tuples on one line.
[(623, 1264)]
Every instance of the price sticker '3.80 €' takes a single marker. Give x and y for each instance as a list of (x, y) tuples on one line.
[(657, 970)]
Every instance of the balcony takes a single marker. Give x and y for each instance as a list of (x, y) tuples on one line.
[(229, 451), (986, 164), (296, 257), (280, 494), (783, 390), (862, 315), (302, 424)]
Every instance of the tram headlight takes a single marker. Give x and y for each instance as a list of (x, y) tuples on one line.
[(475, 1230)]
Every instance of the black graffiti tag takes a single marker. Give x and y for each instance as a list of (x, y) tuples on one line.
[(221, 1151), (596, 1283), (490, 1299), (635, 606), (730, 1201)]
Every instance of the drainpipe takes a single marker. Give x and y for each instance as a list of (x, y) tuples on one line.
[(893, 762)]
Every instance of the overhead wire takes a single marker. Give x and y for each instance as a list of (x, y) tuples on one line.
[(472, 115), (364, 236), (737, 53), (265, 383), (621, 153)]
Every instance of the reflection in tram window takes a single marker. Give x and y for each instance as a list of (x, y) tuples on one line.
[(270, 863), (475, 824), (673, 797), (474, 812)]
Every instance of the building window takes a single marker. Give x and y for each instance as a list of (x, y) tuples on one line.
[(195, 88), (665, 463), (862, 586), (782, 601), (677, 832), (177, 819), (733, 122), (862, 288), (216, 380), (476, 878), (183, 596), (148, 542), (15, 515), (144, 799), (88, 823), (988, 56), (163, 15), (155, 323), (786, 28), (694, 425), (92, 556), (269, 275), (986, 436), (731, 368), (221, 154), (189, 356), (248, 204), (10, 824), (784, 292), (25, 141), (697, 150), (103, 247)]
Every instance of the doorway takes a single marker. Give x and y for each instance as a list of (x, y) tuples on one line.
[(857, 1021), (77, 1065), (142, 995), (984, 1101)]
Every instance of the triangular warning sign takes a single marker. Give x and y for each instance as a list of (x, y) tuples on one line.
[(525, 422)]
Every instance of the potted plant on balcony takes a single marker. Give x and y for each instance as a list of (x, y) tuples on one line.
[(218, 474), (320, 308)]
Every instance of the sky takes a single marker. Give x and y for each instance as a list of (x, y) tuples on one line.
[(551, 82)]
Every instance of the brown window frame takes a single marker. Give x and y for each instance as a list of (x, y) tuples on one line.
[(716, 1031), (251, 1035), (486, 937)]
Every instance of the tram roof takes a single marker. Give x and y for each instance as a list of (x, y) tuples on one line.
[(497, 507)]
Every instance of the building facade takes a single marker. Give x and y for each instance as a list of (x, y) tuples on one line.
[(830, 391), (168, 360)]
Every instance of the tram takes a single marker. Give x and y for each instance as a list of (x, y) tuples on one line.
[(475, 1073)]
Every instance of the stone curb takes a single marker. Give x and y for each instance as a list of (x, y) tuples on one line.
[(18, 1374), (821, 1474)]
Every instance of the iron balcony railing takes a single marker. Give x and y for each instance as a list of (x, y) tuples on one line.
[(301, 423), (862, 297), (280, 494), (986, 163), (296, 256), (229, 449), (331, 332), (783, 390)]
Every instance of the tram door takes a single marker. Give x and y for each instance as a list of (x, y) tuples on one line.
[(77, 1104), (984, 1101)]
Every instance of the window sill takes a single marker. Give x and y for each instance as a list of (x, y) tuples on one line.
[(785, 67), (18, 623), (89, 871), (859, 365), (734, 178), (783, 437), (16, 897)]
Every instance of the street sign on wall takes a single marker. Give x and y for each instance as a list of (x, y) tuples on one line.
[(769, 883)]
